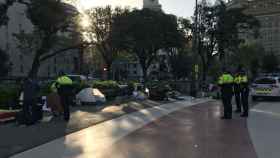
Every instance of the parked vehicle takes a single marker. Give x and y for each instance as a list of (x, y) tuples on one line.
[(78, 79), (265, 87)]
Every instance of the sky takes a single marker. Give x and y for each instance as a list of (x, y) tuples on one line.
[(182, 8)]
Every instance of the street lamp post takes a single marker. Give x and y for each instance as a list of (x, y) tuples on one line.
[(194, 85)]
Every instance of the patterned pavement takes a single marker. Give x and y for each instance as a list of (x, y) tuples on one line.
[(177, 130), (194, 132)]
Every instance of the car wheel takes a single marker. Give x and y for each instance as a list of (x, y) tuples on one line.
[(254, 98)]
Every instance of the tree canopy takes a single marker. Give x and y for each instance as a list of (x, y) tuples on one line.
[(145, 32), (220, 31), (53, 33), (99, 32)]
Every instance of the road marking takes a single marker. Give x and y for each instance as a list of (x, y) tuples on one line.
[(264, 126)]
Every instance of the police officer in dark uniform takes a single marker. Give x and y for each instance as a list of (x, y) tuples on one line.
[(244, 84), (226, 84), (64, 88), (237, 91)]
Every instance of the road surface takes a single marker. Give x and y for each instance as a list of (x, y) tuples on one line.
[(179, 130)]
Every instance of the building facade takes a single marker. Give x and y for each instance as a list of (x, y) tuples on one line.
[(152, 4), (20, 61), (268, 14)]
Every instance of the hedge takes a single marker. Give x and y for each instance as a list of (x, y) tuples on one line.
[(9, 95), (109, 88), (105, 84)]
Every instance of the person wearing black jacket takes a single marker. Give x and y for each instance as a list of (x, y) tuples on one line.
[(226, 84), (30, 99)]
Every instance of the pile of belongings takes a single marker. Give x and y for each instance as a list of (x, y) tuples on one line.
[(139, 95), (90, 96), (53, 104)]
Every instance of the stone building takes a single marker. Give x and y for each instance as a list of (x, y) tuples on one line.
[(20, 62), (268, 14), (152, 4)]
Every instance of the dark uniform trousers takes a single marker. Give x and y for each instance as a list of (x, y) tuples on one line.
[(226, 99), (237, 94), (64, 92), (244, 98)]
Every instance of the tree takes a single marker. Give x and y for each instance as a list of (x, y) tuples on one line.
[(145, 32), (181, 63), (249, 56), (270, 63), (4, 64), (232, 26), (4, 6), (99, 31), (4, 58), (220, 31), (53, 33), (206, 35)]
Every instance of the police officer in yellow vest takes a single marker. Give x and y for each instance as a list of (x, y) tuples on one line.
[(64, 88), (226, 84), (237, 91), (244, 84)]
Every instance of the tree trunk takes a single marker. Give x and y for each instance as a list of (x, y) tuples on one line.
[(108, 72), (144, 69), (204, 71), (45, 47), (35, 66), (144, 66)]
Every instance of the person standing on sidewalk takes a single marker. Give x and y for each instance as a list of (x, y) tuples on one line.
[(237, 90), (64, 88), (226, 84), (244, 84)]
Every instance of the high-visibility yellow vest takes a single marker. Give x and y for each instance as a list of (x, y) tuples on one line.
[(64, 80), (237, 79), (225, 79), (53, 87), (244, 79)]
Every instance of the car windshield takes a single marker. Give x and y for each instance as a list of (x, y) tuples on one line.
[(265, 81)]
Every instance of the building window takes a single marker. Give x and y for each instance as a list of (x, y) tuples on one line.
[(135, 72)]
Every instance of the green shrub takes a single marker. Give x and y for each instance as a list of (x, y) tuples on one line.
[(109, 88), (131, 85), (105, 84), (9, 94), (152, 84)]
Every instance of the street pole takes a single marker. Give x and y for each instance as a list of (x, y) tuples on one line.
[(194, 84)]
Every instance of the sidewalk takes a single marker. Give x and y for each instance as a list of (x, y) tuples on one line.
[(15, 139), (92, 141)]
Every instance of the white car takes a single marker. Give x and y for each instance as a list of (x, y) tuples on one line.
[(265, 87)]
